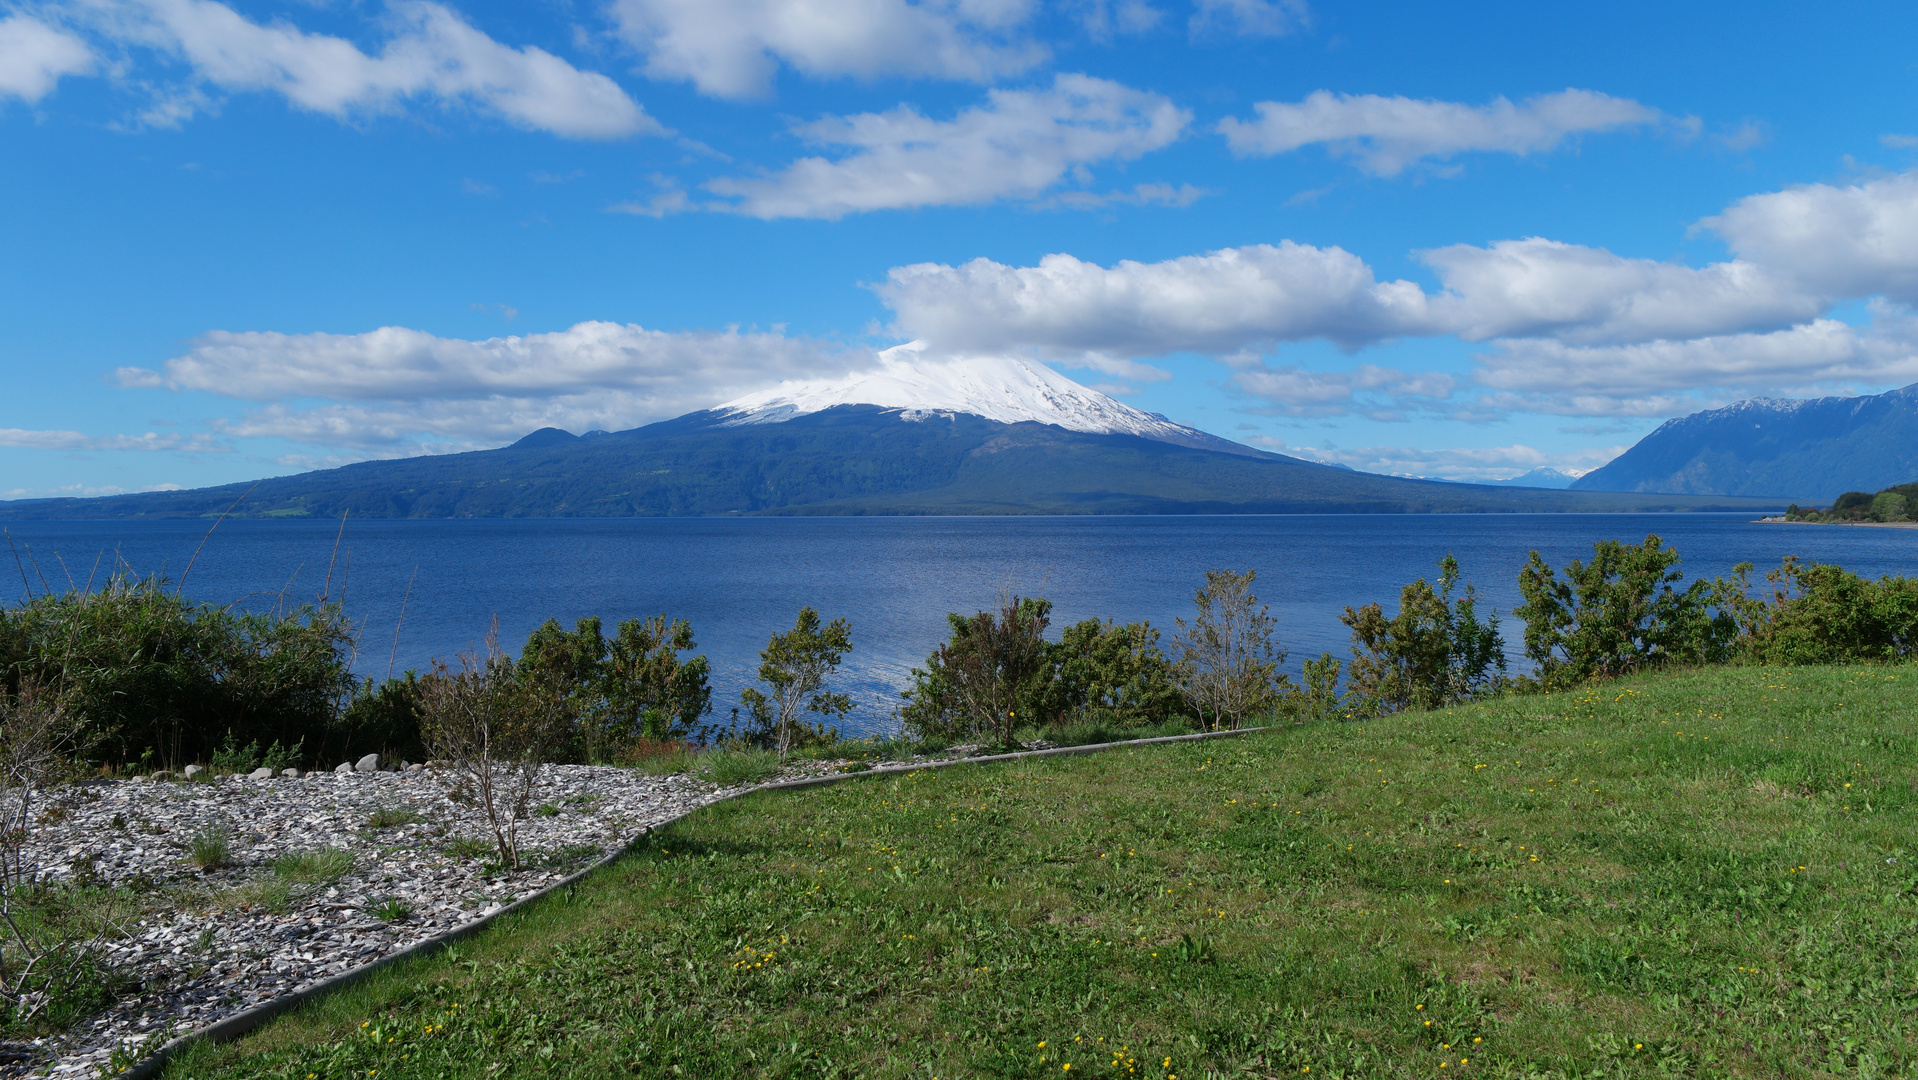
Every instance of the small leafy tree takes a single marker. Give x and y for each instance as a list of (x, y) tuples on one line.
[(1228, 657), (1618, 614), (1434, 652), (1319, 699), (794, 666)]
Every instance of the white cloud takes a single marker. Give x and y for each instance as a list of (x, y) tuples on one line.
[(1219, 302), (1018, 145), (391, 385), (1852, 241), (1465, 463), (75, 440), (33, 57), (1384, 135), (733, 48), (1537, 287), (431, 54), (1247, 18), (1661, 378)]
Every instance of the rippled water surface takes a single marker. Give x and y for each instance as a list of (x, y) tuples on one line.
[(894, 579)]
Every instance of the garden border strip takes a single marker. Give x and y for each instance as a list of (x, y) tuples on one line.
[(246, 1020)]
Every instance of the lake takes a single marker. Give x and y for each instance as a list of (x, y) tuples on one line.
[(894, 579)]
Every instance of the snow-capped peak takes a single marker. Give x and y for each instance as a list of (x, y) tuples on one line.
[(1001, 388)]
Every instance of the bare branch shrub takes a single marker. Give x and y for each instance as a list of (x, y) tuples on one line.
[(493, 731), (1228, 658)]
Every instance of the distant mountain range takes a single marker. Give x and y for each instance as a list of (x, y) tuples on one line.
[(1807, 450), (1541, 477), (911, 437)]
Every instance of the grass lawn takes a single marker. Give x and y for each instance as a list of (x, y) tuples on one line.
[(1702, 874)]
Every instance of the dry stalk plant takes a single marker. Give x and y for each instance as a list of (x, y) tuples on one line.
[(492, 730), (39, 964)]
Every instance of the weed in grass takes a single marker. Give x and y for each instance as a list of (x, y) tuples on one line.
[(546, 810), (210, 849), (393, 910), (1546, 886), (730, 767)]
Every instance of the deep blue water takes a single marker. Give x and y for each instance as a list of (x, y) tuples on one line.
[(894, 579)]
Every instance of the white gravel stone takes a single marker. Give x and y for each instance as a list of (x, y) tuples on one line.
[(260, 774), (369, 763)]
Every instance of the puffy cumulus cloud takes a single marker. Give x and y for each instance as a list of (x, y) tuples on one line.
[(733, 48), (1220, 302), (34, 56), (1017, 145), (1384, 135), (1466, 463), (390, 386), (1247, 18), (431, 55), (1850, 241), (1540, 288), (75, 440)]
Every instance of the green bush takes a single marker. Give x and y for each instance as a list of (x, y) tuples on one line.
[(1434, 652), (1618, 614), (633, 687), (1108, 673), (731, 766), (151, 675), (1823, 614), (381, 718)]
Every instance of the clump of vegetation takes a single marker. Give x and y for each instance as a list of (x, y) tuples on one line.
[(386, 817), (636, 687), (794, 667), (733, 766), (211, 848), (294, 876), (149, 675), (1896, 503), (1434, 652)]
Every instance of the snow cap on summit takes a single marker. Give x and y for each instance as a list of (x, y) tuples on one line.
[(1002, 388)]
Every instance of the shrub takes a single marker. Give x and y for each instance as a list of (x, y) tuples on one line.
[(147, 673), (381, 718), (1104, 672), (1434, 652), (1824, 614), (1888, 506), (1618, 614), (794, 666), (635, 686), (1228, 657), (495, 731)]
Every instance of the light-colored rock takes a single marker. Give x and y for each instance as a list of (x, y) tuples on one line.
[(343, 767), (260, 774), (290, 774), (191, 771), (160, 775), (416, 767), (369, 763)]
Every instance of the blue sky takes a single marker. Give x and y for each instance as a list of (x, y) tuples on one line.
[(250, 238)]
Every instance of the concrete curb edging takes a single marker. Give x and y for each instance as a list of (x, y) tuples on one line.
[(240, 1023)]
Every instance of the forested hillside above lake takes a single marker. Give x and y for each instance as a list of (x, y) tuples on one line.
[(848, 460)]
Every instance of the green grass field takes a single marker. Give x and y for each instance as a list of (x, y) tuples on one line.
[(1698, 874)]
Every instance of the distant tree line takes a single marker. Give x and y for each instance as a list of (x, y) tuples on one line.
[(1896, 503)]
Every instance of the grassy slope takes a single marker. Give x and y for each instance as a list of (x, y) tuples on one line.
[(1704, 874)]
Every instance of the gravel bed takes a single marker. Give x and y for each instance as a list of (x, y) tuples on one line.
[(199, 952)]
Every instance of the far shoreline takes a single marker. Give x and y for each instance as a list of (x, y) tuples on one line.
[(1851, 524)]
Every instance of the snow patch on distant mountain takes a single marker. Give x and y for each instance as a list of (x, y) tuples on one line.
[(1000, 388)]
